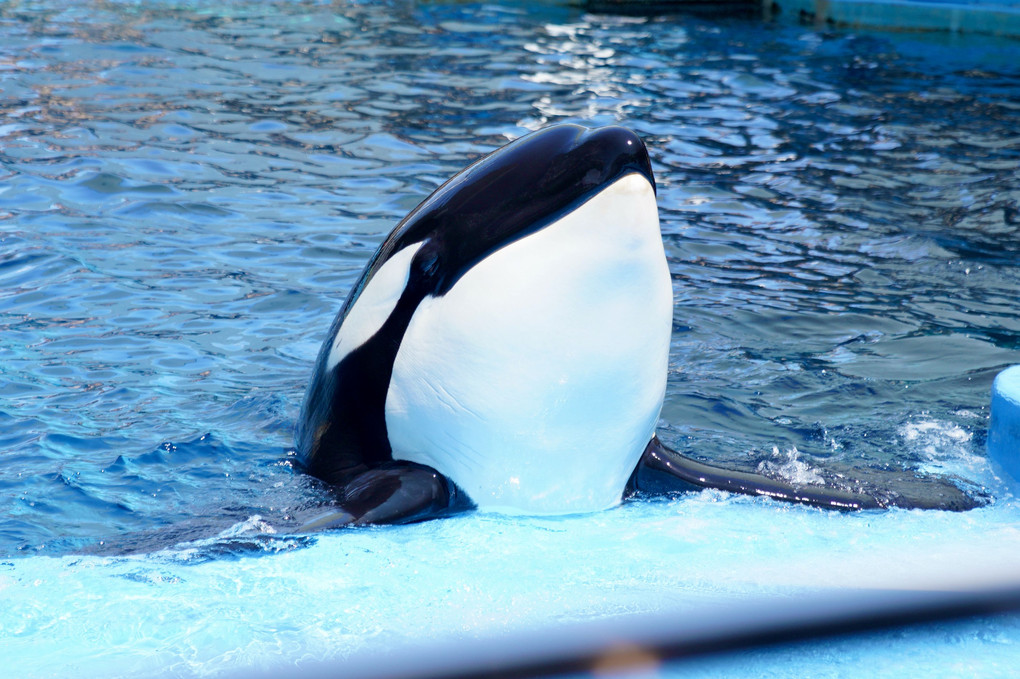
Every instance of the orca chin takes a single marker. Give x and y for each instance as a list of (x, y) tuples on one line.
[(507, 347)]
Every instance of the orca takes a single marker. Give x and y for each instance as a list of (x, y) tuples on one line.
[(506, 348)]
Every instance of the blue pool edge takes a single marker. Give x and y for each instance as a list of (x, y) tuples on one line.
[(1004, 426), (985, 17)]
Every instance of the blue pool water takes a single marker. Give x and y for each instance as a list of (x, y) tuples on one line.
[(188, 191)]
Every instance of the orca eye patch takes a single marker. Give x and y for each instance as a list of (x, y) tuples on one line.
[(374, 305)]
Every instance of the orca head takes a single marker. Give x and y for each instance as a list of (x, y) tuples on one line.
[(506, 195), (512, 193)]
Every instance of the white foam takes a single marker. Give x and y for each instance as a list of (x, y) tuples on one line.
[(945, 447), (790, 467)]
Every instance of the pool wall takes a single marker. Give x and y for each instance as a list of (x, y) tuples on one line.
[(958, 16), (1004, 426)]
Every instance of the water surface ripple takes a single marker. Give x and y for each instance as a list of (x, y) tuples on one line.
[(189, 190)]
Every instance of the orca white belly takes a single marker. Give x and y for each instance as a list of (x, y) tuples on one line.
[(537, 380)]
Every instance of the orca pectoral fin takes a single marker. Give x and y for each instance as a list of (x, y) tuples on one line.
[(395, 493), (662, 469)]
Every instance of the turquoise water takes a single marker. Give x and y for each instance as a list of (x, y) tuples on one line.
[(188, 191)]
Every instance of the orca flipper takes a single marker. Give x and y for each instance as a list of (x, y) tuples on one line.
[(393, 493), (662, 470)]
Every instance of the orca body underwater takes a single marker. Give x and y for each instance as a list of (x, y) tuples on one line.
[(507, 346)]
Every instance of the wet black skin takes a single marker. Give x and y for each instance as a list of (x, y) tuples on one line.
[(513, 192)]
